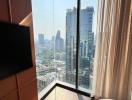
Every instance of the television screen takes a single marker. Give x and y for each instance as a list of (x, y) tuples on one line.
[(15, 49)]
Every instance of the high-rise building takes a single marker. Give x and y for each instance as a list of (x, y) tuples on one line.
[(41, 38), (86, 38), (71, 24), (59, 42), (86, 34)]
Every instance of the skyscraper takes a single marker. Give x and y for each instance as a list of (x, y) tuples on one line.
[(71, 23), (59, 42), (86, 38), (41, 38), (86, 34)]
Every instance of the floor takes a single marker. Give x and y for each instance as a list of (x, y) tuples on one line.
[(62, 94)]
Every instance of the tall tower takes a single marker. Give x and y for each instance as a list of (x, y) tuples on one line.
[(86, 37), (86, 34), (41, 38), (71, 24), (59, 42)]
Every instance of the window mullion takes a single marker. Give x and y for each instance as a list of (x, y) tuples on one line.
[(77, 42)]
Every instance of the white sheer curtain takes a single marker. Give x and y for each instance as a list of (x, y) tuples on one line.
[(113, 57)]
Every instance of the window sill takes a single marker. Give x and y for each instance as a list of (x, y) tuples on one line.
[(45, 92)]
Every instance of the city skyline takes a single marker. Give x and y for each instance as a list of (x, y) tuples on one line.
[(43, 35), (47, 21)]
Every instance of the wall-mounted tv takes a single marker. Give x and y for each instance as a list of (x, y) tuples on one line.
[(15, 49)]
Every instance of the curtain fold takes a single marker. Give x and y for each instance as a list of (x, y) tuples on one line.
[(113, 57)]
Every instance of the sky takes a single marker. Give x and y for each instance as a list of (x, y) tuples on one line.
[(49, 16)]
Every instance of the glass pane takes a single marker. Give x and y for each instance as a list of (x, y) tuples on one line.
[(65, 39), (55, 41), (87, 43), (44, 42)]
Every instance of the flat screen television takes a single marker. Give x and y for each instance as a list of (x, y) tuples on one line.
[(15, 49)]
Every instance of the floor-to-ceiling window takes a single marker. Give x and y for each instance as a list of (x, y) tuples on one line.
[(43, 19), (88, 12), (55, 34)]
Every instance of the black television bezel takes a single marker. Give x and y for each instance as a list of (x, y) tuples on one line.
[(14, 72)]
